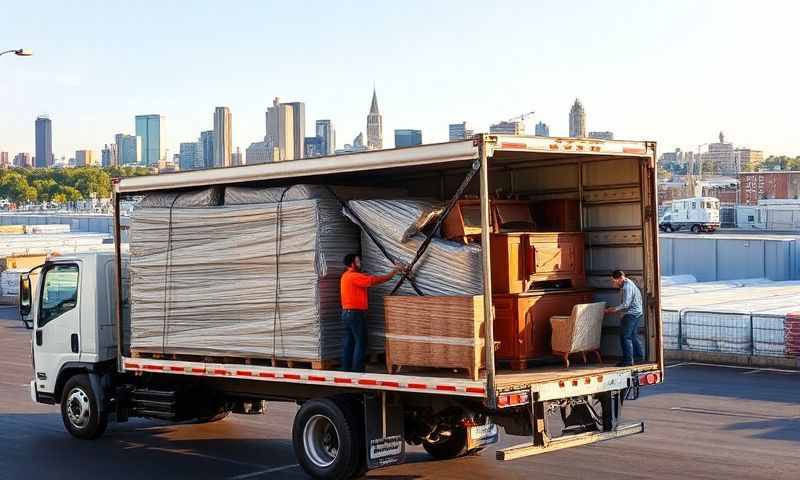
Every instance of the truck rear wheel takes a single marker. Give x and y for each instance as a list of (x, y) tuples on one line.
[(695, 228), (79, 409), (668, 228), (328, 439), (451, 446)]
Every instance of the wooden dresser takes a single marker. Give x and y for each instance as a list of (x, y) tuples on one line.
[(522, 322), (520, 259)]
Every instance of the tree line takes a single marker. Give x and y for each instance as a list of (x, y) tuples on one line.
[(61, 185)]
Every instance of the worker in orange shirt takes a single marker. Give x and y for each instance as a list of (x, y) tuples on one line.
[(353, 287)]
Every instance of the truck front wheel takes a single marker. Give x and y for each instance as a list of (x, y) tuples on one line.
[(79, 409), (328, 439)]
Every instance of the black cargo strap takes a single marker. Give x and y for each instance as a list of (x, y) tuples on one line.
[(371, 235), (167, 268), (476, 165)]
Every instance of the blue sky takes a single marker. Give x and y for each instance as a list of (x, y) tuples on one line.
[(673, 71)]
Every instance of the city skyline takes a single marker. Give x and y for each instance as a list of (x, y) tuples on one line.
[(678, 102)]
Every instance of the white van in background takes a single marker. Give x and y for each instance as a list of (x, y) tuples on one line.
[(698, 214)]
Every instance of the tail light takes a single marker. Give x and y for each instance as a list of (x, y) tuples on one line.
[(649, 378), (513, 399)]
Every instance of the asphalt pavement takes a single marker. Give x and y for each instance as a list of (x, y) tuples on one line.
[(706, 422)]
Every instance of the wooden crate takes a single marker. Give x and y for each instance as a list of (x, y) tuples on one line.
[(435, 332)]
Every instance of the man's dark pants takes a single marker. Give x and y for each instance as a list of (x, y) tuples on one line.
[(631, 347), (355, 340)]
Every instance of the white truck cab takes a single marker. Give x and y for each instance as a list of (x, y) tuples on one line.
[(698, 214), (72, 312)]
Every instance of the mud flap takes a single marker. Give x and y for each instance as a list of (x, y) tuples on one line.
[(383, 420), (481, 435)]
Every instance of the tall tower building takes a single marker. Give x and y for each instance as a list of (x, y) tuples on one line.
[(150, 128), (237, 160), (129, 149), (84, 158), (542, 130), (222, 137), (374, 125), (44, 142), (109, 156), (281, 128), (577, 120), (206, 152), (298, 128), (326, 132)]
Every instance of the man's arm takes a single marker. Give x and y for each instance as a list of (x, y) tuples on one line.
[(365, 281), (627, 300)]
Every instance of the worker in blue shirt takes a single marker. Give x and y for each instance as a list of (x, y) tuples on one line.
[(632, 312)]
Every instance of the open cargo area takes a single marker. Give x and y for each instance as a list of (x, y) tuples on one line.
[(269, 244)]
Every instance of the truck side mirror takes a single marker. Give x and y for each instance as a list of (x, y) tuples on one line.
[(25, 295)]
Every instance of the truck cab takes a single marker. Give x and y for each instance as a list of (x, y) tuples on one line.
[(72, 310)]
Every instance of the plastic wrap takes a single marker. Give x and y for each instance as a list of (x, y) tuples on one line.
[(246, 195), (396, 219), (579, 332), (446, 269), (205, 282), (206, 197)]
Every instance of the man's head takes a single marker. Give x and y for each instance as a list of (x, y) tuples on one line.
[(353, 260), (618, 278)]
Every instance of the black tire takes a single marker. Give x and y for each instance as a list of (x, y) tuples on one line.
[(451, 447), (695, 228), (79, 409), (328, 439), (668, 228)]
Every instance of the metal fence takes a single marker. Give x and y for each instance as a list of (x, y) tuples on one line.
[(722, 332)]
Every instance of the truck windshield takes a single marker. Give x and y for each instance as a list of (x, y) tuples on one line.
[(59, 292)]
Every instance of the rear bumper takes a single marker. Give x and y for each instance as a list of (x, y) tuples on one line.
[(529, 449)]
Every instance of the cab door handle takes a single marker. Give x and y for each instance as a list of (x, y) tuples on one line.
[(39, 338), (74, 343)]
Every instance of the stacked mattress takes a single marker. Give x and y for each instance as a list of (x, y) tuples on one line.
[(255, 277)]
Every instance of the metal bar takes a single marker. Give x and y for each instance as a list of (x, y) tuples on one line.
[(370, 235), (118, 275), (488, 310), (421, 250), (752, 337), (525, 450)]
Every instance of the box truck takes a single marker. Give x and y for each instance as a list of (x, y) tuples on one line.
[(348, 422)]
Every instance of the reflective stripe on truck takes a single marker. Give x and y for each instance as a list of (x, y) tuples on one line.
[(372, 381)]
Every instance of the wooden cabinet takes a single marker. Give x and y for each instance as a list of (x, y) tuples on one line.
[(464, 221), (557, 215), (520, 259), (522, 322)]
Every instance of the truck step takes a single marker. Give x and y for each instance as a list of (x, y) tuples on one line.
[(154, 403)]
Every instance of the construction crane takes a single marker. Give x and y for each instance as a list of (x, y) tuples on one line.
[(521, 118)]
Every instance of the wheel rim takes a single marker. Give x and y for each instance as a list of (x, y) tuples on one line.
[(321, 441), (79, 409)]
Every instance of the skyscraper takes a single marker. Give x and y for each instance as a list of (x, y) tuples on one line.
[(258, 152), (326, 132), (5, 162), (222, 137), (84, 158), (374, 125), (298, 127), (187, 156), (281, 128), (542, 130), (129, 149), (313, 147), (109, 156), (44, 141), (206, 152), (150, 128), (407, 138), (459, 131), (577, 120)]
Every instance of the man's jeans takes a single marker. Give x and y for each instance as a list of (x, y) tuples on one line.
[(355, 340), (631, 347)]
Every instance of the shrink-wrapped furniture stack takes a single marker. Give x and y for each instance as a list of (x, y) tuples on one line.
[(253, 275)]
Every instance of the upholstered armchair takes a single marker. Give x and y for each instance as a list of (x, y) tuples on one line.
[(578, 333)]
